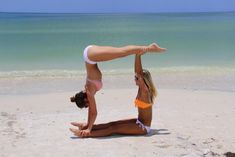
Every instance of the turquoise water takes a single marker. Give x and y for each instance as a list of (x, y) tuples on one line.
[(56, 41), (49, 46)]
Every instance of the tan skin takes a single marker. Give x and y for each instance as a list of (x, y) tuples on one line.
[(144, 115), (99, 54), (127, 126)]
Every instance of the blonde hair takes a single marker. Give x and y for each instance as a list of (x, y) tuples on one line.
[(149, 82)]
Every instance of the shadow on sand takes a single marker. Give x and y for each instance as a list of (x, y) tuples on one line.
[(152, 133)]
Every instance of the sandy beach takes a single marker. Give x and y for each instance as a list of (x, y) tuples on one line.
[(189, 123), (42, 66)]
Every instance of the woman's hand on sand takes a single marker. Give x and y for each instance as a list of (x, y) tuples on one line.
[(81, 126), (76, 132)]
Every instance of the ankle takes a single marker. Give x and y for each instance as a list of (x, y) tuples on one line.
[(145, 48)]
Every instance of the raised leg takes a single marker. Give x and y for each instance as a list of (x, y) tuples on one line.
[(106, 53)]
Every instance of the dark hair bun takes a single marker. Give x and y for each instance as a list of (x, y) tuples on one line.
[(79, 99), (72, 99)]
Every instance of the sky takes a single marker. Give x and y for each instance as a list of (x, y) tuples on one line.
[(116, 6)]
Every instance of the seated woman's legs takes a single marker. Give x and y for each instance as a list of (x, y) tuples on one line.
[(127, 128), (122, 127), (104, 125), (110, 124)]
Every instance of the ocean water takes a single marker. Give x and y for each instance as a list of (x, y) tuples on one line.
[(46, 47)]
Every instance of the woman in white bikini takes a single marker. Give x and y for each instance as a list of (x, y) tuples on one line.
[(93, 54)]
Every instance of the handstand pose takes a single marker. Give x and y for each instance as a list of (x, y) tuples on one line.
[(93, 54), (144, 101)]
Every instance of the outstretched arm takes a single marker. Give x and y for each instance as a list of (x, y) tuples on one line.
[(138, 65), (139, 73), (92, 112)]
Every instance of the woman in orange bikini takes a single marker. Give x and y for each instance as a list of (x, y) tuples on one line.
[(86, 98)]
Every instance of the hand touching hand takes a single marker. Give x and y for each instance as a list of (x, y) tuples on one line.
[(81, 133)]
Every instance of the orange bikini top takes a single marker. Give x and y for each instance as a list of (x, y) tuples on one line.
[(142, 104)]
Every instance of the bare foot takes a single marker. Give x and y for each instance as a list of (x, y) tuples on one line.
[(75, 132), (80, 126), (154, 48)]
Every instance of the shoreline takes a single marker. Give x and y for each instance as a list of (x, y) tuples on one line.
[(39, 83)]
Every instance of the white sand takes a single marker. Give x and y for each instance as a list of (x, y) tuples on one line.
[(185, 123)]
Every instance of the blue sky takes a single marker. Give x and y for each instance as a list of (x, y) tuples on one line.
[(104, 6)]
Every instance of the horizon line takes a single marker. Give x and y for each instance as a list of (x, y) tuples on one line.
[(116, 12)]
